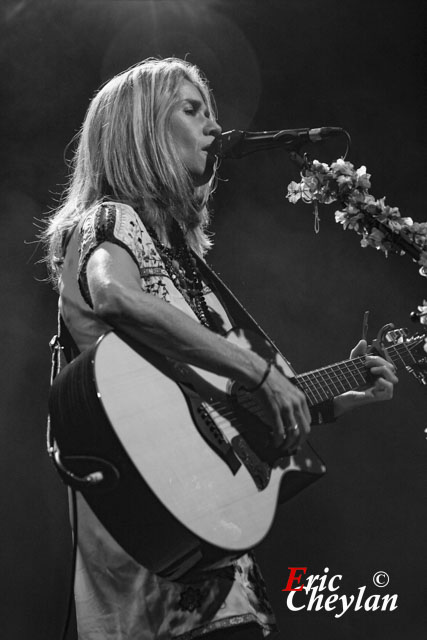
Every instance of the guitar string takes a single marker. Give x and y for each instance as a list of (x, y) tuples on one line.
[(223, 417), (221, 412), (316, 391), (355, 362), (406, 349), (310, 383), (353, 365), (226, 413)]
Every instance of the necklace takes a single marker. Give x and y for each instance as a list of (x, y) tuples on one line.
[(183, 271)]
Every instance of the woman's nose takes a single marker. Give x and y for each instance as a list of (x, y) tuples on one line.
[(212, 128)]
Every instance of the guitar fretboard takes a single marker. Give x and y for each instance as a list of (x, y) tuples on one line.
[(321, 384)]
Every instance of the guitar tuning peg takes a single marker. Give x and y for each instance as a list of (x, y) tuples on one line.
[(396, 336), (420, 315), (419, 375)]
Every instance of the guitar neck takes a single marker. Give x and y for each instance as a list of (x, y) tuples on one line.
[(331, 381)]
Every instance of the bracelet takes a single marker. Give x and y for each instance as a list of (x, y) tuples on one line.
[(263, 379)]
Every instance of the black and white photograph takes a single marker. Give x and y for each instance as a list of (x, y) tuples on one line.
[(214, 359)]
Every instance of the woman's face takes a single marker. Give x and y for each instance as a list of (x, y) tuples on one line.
[(193, 129)]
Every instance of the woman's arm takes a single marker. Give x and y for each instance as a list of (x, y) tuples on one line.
[(115, 289)]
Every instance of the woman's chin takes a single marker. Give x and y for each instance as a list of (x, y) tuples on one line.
[(202, 178)]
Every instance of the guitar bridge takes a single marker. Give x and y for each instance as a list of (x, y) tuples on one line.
[(260, 471)]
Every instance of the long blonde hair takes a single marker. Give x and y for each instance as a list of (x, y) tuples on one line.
[(124, 154)]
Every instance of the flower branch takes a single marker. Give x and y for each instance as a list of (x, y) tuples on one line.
[(381, 226)]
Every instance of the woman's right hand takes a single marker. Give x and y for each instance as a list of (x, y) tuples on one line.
[(284, 409)]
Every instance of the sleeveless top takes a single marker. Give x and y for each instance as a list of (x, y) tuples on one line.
[(116, 598)]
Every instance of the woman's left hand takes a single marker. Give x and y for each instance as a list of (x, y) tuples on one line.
[(381, 388)]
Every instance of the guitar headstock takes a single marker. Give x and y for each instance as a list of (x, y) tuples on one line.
[(406, 350)]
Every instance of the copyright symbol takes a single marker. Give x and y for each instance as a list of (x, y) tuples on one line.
[(381, 579)]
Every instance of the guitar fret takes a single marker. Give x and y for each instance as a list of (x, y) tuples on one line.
[(401, 360), (356, 372), (309, 392), (396, 358), (353, 375), (314, 392), (340, 377), (311, 396), (396, 350), (322, 384), (333, 382), (328, 382)]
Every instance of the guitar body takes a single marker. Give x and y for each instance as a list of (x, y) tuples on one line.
[(197, 481)]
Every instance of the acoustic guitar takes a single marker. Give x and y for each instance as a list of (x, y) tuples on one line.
[(175, 461)]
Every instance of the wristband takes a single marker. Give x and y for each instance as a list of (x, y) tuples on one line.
[(323, 412), (263, 379)]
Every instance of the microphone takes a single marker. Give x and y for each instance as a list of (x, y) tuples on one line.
[(237, 144)]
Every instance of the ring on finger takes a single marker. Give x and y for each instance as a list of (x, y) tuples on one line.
[(291, 430)]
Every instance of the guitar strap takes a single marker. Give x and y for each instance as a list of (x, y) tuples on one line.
[(67, 341), (323, 412), (240, 316), (64, 342)]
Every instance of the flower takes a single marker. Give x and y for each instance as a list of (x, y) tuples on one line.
[(341, 167), (380, 225), (320, 167), (294, 192), (423, 259), (340, 216), (374, 239), (422, 315), (362, 178), (342, 180)]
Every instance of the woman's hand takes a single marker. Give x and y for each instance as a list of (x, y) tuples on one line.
[(381, 389), (284, 408)]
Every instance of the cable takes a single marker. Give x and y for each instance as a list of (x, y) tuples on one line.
[(74, 531)]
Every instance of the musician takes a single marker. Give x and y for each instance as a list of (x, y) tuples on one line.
[(125, 250)]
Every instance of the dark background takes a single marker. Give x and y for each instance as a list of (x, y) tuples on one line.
[(272, 64)]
